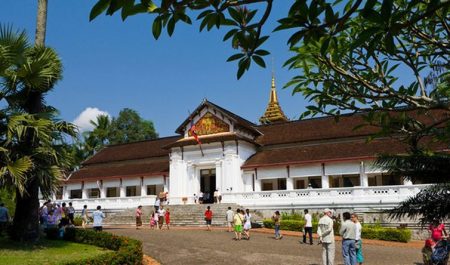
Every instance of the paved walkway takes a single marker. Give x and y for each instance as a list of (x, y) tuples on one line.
[(187, 246)]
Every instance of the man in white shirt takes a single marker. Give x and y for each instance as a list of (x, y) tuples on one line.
[(308, 227), (161, 214), (326, 237), (98, 216), (230, 217)]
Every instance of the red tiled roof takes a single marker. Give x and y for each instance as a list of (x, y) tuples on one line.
[(131, 151), (158, 167), (322, 152)]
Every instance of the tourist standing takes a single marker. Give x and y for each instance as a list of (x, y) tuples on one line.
[(308, 227), (358, 240), (326, 237), (52, 219), (276, 218), (348, 233), (216, 196), (71, 213), (161, 214), (219, 195), (200, 197), (248, 223), (437, 230), (230, 216), (238, 220), (98, 216), (195, 198), (84, 216), (208, 218), (64, 212), (157, 204), (4, 218), (167, 217), (43, 214), (138, 217)]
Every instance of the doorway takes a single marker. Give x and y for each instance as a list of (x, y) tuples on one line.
[(208, 184)]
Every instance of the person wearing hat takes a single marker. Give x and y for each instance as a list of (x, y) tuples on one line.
[(326, 237)]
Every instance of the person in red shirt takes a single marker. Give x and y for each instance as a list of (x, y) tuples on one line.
[(208, 218), (167, 217), (437, 230)]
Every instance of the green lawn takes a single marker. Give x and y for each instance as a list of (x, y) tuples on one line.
[(45, 252)]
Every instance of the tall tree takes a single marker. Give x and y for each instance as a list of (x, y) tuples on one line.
[(27, 73), (41, 23), (129, 126)]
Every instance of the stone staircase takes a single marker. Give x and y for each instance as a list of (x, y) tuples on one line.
[(180, 215)]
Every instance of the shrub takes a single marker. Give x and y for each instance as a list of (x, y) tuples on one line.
[(52, 232), (127, 250), (77, 220), (387, 234)]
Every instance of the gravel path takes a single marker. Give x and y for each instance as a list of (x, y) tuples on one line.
[(195, 246)]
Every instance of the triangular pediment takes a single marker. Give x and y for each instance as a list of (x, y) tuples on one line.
[(209, 119)]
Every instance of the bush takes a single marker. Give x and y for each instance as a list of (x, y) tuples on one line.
[(52, 232), (127, 250), (295, 225), (77, 220), (387, 234)]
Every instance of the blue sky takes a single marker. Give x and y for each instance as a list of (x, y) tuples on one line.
[(111, 65)]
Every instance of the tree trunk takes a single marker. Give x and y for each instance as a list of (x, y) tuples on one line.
[(26, 218), (41, 23)]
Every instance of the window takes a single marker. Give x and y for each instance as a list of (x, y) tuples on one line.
[(94, 193), (334, 181), (300, 184), (351, 180), (75, 194), (151, 189), (316, 182), (281, 184), (267, 186), (372, 181), (112, 192), (388, 180), (132, 191)]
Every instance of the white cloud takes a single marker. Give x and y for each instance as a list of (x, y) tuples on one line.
[(83, 120)]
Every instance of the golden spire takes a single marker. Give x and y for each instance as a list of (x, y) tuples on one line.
[(273, 112)]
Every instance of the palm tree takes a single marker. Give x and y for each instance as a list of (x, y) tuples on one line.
[(27, 73), (41, 23)]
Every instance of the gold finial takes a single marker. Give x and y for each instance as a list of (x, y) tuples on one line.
[(273, 112)]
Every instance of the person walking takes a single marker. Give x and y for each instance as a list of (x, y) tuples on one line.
[(138, 217), (167, 218), (200, 197), (326, 237), (248, 223), (157, 204), (437, 230), (358, 241), (230, 217), (208, 218), (84, 217), (71, 213), (238, 220), (276, 218), (348, 233), (308, 227), (4, 218), (98, 216)]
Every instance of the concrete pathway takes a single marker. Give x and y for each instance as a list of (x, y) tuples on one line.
[(187, 246)]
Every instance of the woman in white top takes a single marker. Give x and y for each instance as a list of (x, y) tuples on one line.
[(248, 223), (359, 254)]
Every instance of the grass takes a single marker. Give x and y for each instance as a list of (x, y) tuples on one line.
[(45, 252)]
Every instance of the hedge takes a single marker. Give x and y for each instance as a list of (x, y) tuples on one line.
[(387, 234), (368, 232), (126, 250)]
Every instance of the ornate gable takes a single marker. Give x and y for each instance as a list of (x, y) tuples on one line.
[(210, 124)]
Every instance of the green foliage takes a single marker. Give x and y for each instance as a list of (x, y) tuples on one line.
[(77, 220), (126, 250), (386, 234), (130, 127), (8, 198)]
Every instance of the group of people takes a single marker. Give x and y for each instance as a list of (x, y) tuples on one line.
[(436, 247), (204, 197), (56, 215), (158, 217), (239, 222), (350, 232)]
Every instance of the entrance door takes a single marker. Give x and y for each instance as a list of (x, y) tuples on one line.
[(208, 184)]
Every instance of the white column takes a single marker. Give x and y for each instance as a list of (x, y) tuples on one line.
[(122, 190), (143, 189), (289, 183), (363, 179), (219, 183), (257, 185), (65, 195), (188, 188), (325, 179), (83, 192)]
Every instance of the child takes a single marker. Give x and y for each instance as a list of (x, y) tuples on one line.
[(427, 250), (167, 217), (152, 221)]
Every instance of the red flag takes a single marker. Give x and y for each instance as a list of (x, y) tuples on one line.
[(193, 132)]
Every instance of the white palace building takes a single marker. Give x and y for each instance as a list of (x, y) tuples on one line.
[(279, 164)]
